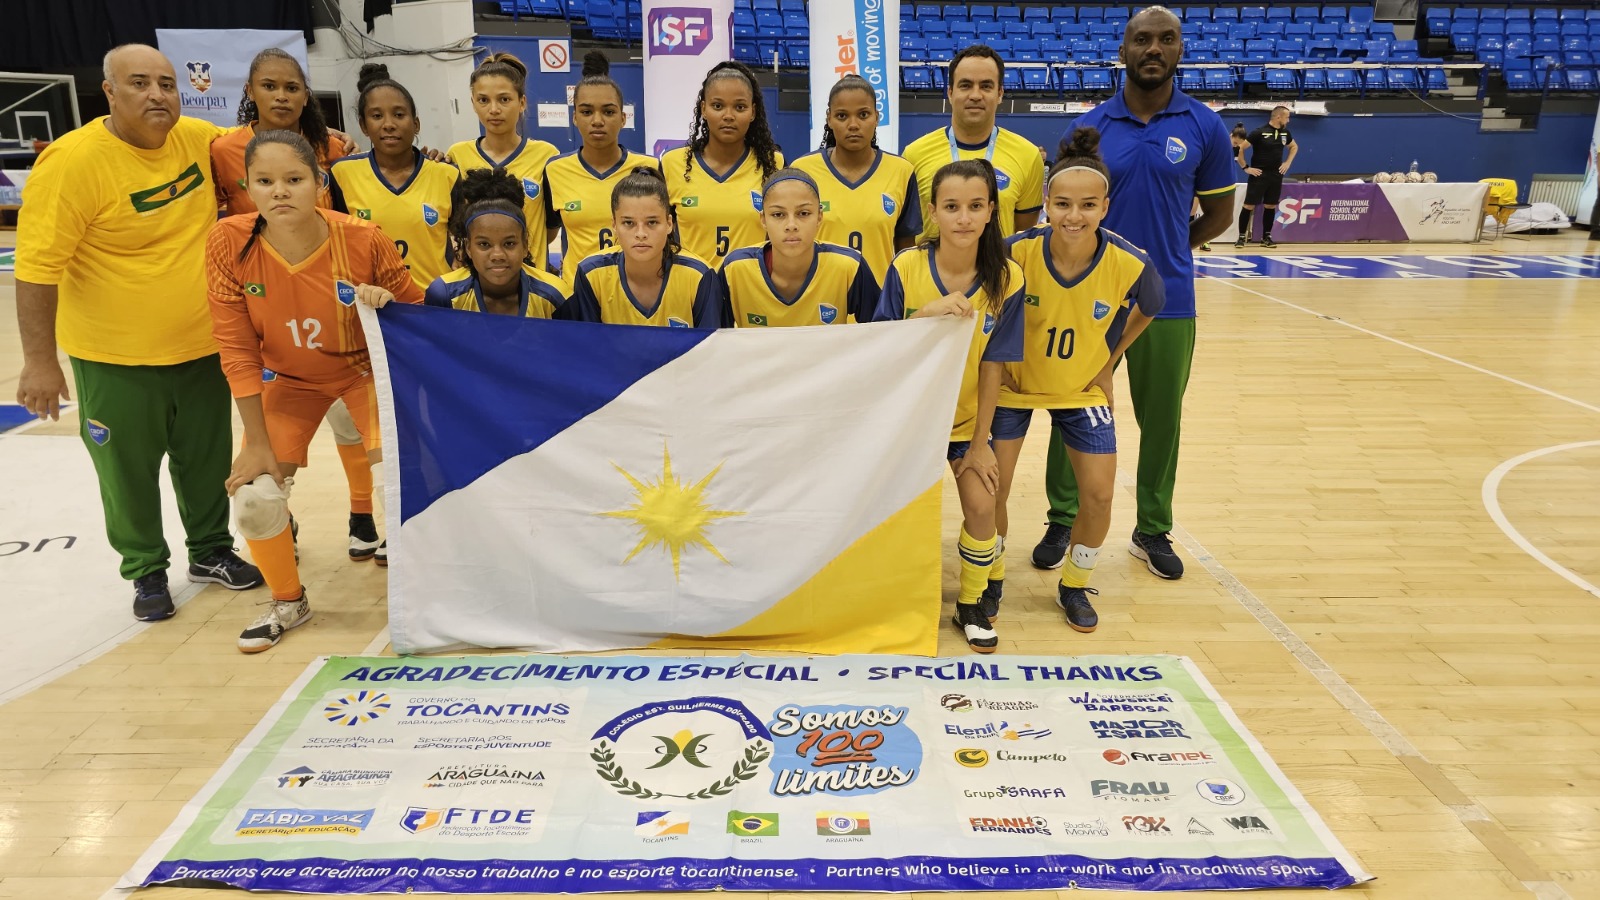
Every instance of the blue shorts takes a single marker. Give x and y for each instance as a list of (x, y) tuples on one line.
[(957, 449), (1089, 429)]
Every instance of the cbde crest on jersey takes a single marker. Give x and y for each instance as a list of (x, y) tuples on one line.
[(345, 292), (755, 200), (1177, 150), (529, 187), (888, 205), (430, 215), (827, 313)]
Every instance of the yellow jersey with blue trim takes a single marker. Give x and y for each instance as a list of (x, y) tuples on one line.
[(688, 297), (913, 280), (839, 288), (542, 293), (527, 163), (716, 214), (577, 197), (1018, 170), (415, 215), (1070, 326), (870, 213)]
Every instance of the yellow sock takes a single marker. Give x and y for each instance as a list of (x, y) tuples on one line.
[(997, 572), (1079, 565), (357, 471), (275, 558), (976, 559)]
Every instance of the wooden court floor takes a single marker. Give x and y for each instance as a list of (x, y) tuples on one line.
[(1429, 684)]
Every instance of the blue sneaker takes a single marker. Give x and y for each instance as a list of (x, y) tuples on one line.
[(1081, 616), (152, 602)]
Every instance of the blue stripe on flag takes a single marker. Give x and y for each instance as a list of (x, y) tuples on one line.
[(473, 390)]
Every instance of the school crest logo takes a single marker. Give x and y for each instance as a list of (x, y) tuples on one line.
[(98, 432), (1101, 310), (430, 215), (199, 75), (988, 323), (889, 205), (154, 198), (1001, 179), (755, 200), (572, 206), (344, 292), (531, 188), (692, 749), (675, 322), (1177, 150), (268, 375), (827, 313), (691, 202)]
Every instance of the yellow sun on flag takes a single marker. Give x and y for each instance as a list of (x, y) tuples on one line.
[(671, 513)]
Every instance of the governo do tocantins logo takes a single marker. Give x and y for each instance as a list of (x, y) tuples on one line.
[(354, 709), (694, 749)]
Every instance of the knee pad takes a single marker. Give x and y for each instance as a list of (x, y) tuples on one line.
[(261, 508), (343, 426)]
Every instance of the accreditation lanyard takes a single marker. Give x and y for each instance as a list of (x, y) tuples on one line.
[(955, 150)]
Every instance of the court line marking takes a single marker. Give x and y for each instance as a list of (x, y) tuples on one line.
[(1393, 340), (1491, 502)]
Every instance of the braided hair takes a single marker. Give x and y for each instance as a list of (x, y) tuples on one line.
[(850, 82), (646, 181), (758, 138), (485, 190), (376, 75), (301, 148), (597, 73), (993, 274), (312, 124)]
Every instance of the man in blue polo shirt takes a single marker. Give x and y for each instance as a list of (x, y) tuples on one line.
[(1164, 149)]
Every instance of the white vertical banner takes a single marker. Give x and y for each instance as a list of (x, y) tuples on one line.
[(680, 44), (1591, 178), (857, 37), (213, 65)]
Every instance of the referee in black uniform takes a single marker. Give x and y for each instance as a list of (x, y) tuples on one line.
[(1268, 164)]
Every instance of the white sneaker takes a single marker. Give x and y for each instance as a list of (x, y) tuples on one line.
[(281, 615), (381, 557)]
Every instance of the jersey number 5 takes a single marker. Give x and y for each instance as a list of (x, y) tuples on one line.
[(1060, 349), (722, 240), (312, 330)]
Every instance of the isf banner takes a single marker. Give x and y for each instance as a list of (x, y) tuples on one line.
[(681, 42), (1317, 213), (853, 773), (857, 37), (213, 65)]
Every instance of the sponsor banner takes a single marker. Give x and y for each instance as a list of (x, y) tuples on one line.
[(565, 774), (857, 37), (1465, 265), (681, 41), (1310, 213), (213, 65), (1591, 177)]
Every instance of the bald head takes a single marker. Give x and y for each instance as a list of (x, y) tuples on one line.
[(142, 91), (1153, 17), (1151, 48)]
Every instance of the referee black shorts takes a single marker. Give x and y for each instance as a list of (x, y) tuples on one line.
[(1264, 189)]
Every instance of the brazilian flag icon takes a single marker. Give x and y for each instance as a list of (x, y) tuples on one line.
[(1030, 299), (753, 824), (363, 214), (255, 289), (755, 319), (572, 206), (691, 202)]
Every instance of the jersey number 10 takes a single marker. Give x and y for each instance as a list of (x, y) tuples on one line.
[(1063, 348)]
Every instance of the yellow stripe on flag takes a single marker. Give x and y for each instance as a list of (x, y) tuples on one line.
[(881, 595)]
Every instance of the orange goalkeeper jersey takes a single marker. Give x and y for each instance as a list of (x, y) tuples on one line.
[(300, 321)]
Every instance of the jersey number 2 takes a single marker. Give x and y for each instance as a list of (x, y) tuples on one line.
[(312, 329), (1060, 349)]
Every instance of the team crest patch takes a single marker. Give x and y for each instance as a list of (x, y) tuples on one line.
[(888, 205), (1001, 179), (255, 289), (1101, 309), (268, 375), (675, 322), (1032, 299), (755, 200), (755, 319), (1177, 150), (199, 75), (345, 292), (988, 323), (572, 206), (690, 202), (531, 188), (362, 214), (429, 215), (98, 432), (828, 313)]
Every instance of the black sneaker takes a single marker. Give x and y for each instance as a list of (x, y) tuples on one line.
[(989, 602), (1156, 551), (363, 537), (1268, 243), (151, 600), (1239, 244), (975, 628), (224, 567), (1052, 548), (1081, 616), (382, 556)]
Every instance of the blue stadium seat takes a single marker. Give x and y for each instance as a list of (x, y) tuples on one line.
[(1054, 50), (1437, 19), (1063, 14), (747, 53), (1281, 80), (964, 32), (913, 53), (1545, 13), (1577, 59), (1301, 30), (1228, 14), (980, 13), (1016, 31), (1546, 26), (1035, 14), (1191, 81), (1546, 46), (1214, 30), (1197, 13), (1290, 51), (940, 78), (1258, 51), (1219, 80), (796, 25), (1085, 52), (1576, 43), (1435, 80), (1521, 80), (1253, 14), (1037, 79), (1091, 14), (1109, 50), (937, 28), (1244, 31), (759, 5), (1104, 31), (1067, 79), (1402, 78), (1403, 51), (1008, 13), (1337, 14), (927, 11), (798, 54), (1377, 51), (1012, 80), (1279, 14), (1043, 31), (989, 32), (1027, 54), (1522, 27), (1004, 47), (1314, 80), (1321, 49), (1351, 50), (1307, 14), (1343, 80), (1375, 79), (1230, 51), (1329, 30), (916, 78), (941, 48), (1272, 30), (1581, 80)]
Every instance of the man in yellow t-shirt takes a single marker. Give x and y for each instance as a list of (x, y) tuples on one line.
[(974, 89), (111, 265)]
